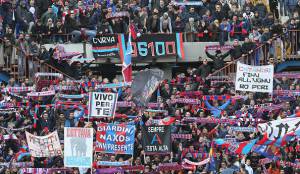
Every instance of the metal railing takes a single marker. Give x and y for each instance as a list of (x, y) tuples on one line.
[(283, 48), (271, 52), (28, 68), (187, 37)]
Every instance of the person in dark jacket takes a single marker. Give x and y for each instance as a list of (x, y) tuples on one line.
[(218, 59), (261, 8), (248, 3), (192, 14), (203, 31), (265, 38), (236, 28), (204, 70), (59, 30), (104, 28), (72, 26), (47, 122), (42, 6), (49, 30), (236, 51), (293, 34), (269, 20), (247, 48), (256, 20), (24, 18), (38, 30), (178, 25), (206, 6), (218, 14), (289, 7), (276, 28), (118, 25), (153, 23)]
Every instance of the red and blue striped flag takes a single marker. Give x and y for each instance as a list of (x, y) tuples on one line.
[(126, 57)]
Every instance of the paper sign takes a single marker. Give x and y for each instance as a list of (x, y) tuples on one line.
[(102, 104), (44, 146), (115, 138), (254, 78), (78, 147)]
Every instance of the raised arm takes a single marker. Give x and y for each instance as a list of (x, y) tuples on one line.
[(226, 104), (208, 105), (209, 55), (226, 54)]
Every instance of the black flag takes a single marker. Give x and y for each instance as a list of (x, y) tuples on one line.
[(156, 139), (144, 84)]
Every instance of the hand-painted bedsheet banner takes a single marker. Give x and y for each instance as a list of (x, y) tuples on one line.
[(115, 138), (44, 146), (78, 143), (278, 128), (254, 78)]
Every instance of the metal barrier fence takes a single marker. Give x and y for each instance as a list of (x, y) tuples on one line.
[(278, 49), (24, 66), (187, 37)]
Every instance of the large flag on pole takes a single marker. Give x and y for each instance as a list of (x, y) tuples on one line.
[(127, 67)]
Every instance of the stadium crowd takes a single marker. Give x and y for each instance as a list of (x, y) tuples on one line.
[(29, 23), (60, 21), (248, 108)]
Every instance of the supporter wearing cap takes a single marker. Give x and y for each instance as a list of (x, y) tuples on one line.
[(165, 24)]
